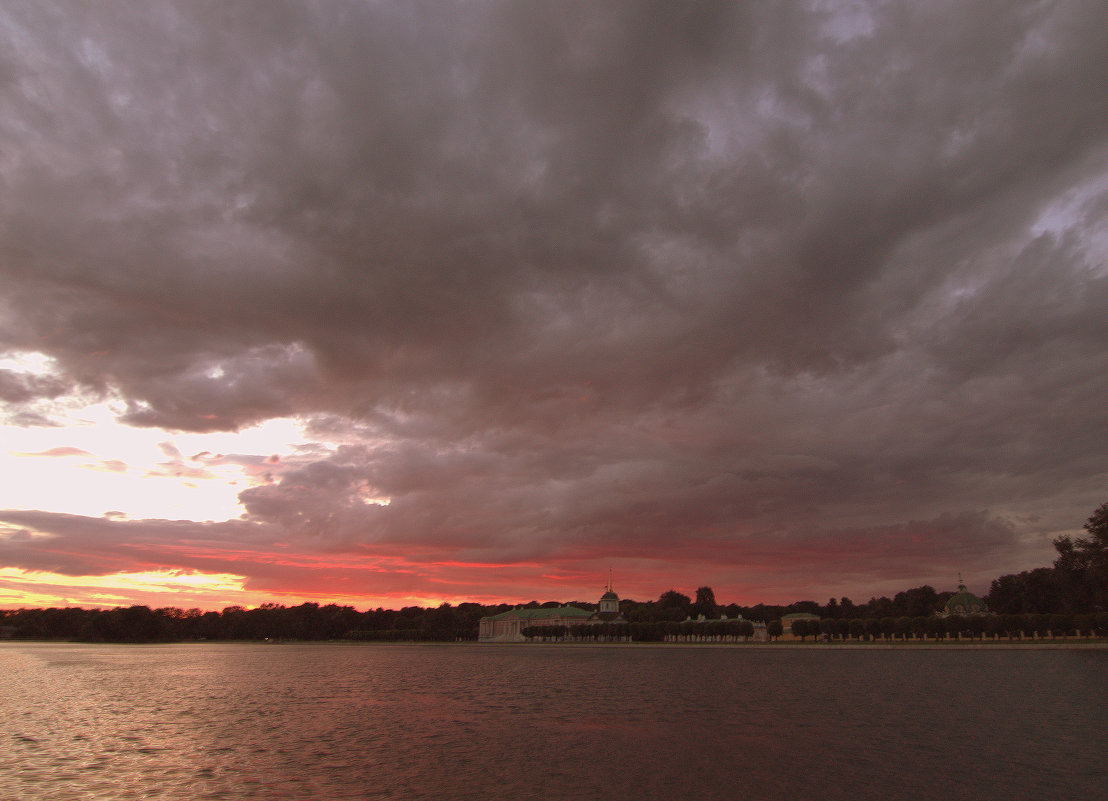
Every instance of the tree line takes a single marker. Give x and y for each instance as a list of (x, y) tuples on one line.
[(1077, 583), (934, 627), (688, 630), (270, 621), (1070, 597), (888, 629)]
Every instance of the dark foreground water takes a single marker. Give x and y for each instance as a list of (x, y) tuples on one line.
[(236, 721)]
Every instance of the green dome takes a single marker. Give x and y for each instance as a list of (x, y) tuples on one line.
[(609, 596), (964, 602)]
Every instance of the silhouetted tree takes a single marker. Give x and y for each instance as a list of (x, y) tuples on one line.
[(955, 625), (878, 607), (440, 623), (917, 602), (676, 606), (903, 627), (857, 627), (705, 603), (1035, 591), (935, 627), (975, 625), (1082, 565), (809, 607)]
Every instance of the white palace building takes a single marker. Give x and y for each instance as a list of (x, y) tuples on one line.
[(508, 626)]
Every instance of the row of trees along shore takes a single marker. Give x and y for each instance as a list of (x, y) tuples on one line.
[(1069, 598), (995, 627), (1011, 627), (690, 630)]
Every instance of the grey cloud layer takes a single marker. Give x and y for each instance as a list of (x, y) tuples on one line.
[(609, 276)]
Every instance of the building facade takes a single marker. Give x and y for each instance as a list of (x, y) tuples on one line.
[(508, 626)]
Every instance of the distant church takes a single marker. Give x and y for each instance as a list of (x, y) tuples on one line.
[(607, 611), (508, 626)]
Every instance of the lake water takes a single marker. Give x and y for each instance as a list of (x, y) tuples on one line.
[(334, 721)]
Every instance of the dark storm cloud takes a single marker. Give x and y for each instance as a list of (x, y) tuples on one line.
[(582, 279), (17, 389)]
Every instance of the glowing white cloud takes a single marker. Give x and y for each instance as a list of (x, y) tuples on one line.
[(93, 464), (29, 362)]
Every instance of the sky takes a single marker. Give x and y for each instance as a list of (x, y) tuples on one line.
[(403, 303)]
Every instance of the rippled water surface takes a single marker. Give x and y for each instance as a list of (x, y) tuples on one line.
[(240, 721)]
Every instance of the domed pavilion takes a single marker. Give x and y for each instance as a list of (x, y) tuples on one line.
[(607, 610), (964, 603)]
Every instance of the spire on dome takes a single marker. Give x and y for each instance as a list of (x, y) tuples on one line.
[(608, 608)]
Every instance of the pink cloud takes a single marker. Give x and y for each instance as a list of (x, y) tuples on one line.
[(60, 451)]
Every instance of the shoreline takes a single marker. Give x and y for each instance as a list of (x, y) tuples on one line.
[(1096, 645), (976, 645)]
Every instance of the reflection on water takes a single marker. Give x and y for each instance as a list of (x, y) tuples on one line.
[(235, 721)]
